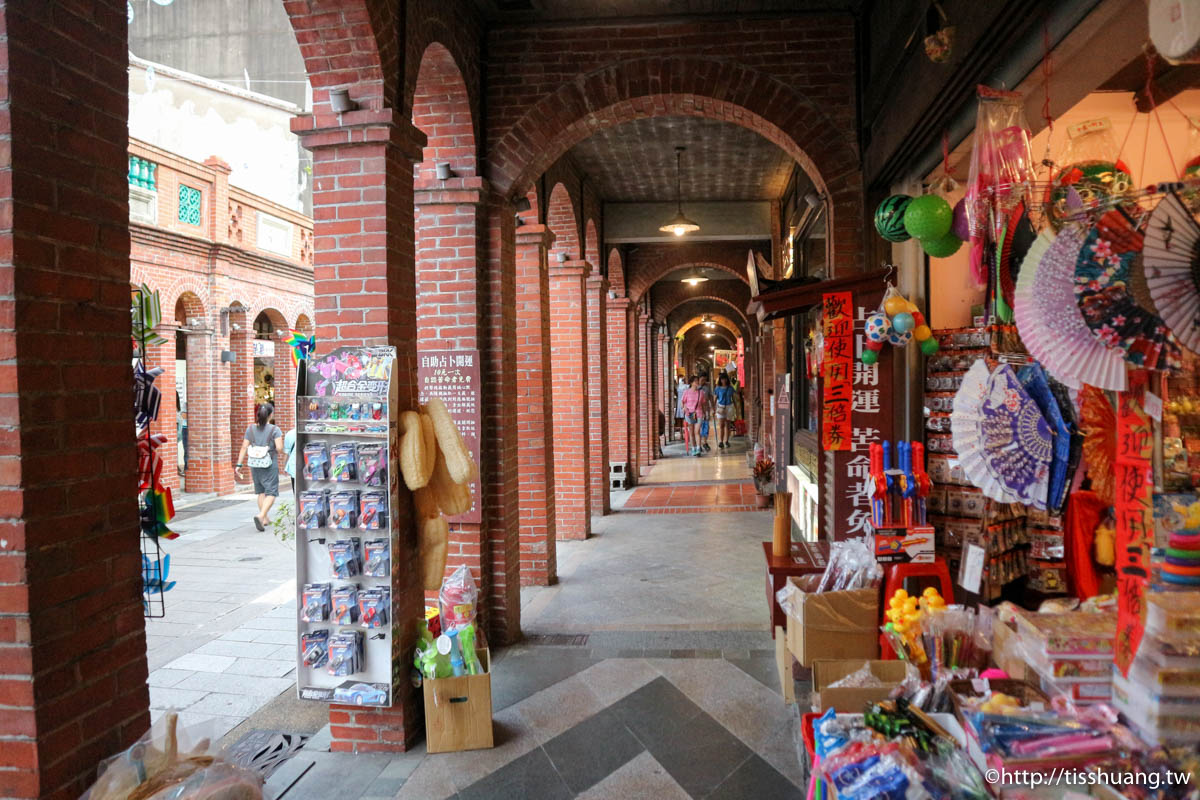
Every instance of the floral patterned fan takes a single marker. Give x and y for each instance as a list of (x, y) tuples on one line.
[(1098, 423), (1102, 288), (1003, 442)]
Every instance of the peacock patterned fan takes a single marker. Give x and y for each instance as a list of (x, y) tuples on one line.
[(1050, 322), (1098, 423), (1004, 444), (1172, 263), (1102, 289)]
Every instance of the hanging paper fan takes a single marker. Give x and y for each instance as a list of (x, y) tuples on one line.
[(1172, 263), (1064, 344), (1003, 442), (1102, 276), (1033, 378), (1098, 423), (1066, 406)]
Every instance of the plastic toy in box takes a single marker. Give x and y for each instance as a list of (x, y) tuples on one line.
[(345, 653), (345, 557), (372, 464), (372, 511), (343, 509), (345, 605), (378, 558), (1072, 633), (316, 461), (1173, 612), (314, 648), (343, 458), (373, 605), (314, 510), (315, 602)]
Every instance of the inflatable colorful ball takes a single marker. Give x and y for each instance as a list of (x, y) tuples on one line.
[(889, 218), (944, 247), (928, 217), (961, 226)]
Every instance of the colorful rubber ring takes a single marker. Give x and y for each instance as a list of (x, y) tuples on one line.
[(1183, 580), (1175, 569), (1182, 553), (1182, 542)]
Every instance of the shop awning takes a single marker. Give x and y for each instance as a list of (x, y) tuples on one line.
[(778, 299)]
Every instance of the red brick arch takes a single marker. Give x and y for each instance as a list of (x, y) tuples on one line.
[(663, 309), (695, 87), (616, 272), (351, 43), (591, 244), (718, 319), (441, 109), (649, 263), (560, 216), (304, 324)]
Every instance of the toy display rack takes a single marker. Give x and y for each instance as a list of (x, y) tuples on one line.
[(348, 378)]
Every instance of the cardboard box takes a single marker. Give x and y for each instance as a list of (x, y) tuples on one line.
[(850, 700), (458, 711), (832, 625), (783, 662)]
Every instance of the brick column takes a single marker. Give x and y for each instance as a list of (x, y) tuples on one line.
[(285, 394), (449, 314), (209, 466), (72, 636), (535, 408), (241, 381), (661, 428), (501, 505), (598, 392), (632, 384), (618, 366), (569, 357), (645, 393), (365, 293)]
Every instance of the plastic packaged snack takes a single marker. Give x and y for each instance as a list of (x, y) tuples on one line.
[(456, 600)]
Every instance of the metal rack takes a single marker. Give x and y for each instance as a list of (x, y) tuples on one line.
[(155, 565)]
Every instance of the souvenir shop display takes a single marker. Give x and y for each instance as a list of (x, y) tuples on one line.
[(896, 322), (347, 649)]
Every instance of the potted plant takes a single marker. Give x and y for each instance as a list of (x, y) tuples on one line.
[(764, 476)]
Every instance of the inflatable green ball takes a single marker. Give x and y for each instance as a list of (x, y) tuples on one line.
[(928, 217), (869, 357), (929, 346), (943, 247), (889, 218)]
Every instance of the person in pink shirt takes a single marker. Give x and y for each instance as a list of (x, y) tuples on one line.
[(693, 411)]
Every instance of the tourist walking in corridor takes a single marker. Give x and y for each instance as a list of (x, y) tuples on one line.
[(693, 408), (709, 406), (261, 447), (680, 388), (725, 415)]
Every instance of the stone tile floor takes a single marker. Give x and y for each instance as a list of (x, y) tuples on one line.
[(226, 645)]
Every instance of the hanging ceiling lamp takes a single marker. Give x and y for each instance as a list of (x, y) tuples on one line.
[(708, 321), (679, 224), (694, 276)]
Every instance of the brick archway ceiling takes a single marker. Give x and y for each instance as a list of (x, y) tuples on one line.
[(700, 303), (699, 318), (560, 217), (511, 11), (648, 264), (362, 33), (441, 109), (635, 161)]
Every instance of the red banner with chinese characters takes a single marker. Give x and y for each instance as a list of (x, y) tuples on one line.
[(837, 370), (1135, 519)]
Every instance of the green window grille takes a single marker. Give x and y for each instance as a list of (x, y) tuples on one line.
[(141, 173), (189, 205)]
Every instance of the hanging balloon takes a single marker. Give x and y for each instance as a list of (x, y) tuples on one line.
[(876, 327), (903, 322), (944, 247), (929, 346), (889, 218), (869, 357), (961, 227), (928, 217), (1095, 182)]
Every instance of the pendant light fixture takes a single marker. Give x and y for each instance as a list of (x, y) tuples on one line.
[(693, 276), (679, 224)]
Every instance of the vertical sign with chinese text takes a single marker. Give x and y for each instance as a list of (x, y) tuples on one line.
[(453, 375), (838, 366), (783, 429), (1135, 521), (845, 502)]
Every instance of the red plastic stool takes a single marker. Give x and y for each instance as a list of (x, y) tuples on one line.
[(914, 579)]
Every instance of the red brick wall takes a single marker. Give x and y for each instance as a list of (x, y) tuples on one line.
[(72, 641), (560, 216), (569, 357), (598, 366), (645, 393), (535, 410)]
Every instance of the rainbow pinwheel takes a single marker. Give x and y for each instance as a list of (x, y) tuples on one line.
[(301, 346), (157, 510)]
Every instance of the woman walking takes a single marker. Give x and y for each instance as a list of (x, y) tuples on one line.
[(693, 409), (725, 415), (262, 444), (680, 388)]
